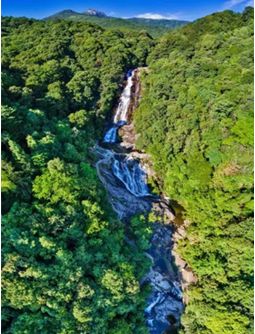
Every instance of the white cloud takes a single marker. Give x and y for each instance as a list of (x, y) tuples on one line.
[(112, 13), (250, 3), (155, 16), (233, 3)]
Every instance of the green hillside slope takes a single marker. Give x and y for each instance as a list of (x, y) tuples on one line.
[(153, 27), (66, 267), (196, 121)]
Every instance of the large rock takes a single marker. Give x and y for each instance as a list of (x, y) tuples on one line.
[(128, 136), (188, 277), (180, 263), (180, 233), (163, 209), (158, 281)]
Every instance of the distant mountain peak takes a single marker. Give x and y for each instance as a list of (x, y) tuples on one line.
[(152, 26), (67, 11), (94, 12), (63, 14)]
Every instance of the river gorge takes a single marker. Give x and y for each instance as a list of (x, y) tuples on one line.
[(124, 175)]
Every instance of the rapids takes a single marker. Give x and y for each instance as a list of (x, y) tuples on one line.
[(125, 180)]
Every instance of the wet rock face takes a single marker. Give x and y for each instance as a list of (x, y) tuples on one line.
[(124, 175), (124, 203), (165, 302)]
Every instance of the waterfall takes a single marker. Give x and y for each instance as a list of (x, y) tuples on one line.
[(121, 115), (111, 135), (126, 183), (122, 110), (130, 172)]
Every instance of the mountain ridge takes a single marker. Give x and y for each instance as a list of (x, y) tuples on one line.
[(155, 27)]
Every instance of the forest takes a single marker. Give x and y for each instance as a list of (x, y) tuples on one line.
[(66, 266), (155, 28), (196, 121)]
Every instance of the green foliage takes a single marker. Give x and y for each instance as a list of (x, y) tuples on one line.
[(153, 27), (196, 121), (67, 268), (8, 177)]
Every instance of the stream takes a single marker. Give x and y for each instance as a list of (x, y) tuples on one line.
[(125, 180)]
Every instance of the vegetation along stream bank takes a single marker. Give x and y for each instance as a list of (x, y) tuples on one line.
[(127, 176)]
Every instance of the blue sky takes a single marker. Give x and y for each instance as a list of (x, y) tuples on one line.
[(176, 9)]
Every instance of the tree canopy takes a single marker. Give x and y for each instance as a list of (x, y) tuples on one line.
[(66, 265), (196, 121)]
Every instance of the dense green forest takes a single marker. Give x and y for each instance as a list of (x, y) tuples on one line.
[(154, 27), (66, 265), (196, 121)]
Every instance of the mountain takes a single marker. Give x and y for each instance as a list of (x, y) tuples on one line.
[(94, 12), (163, 23), (154, 27), (64, 14)]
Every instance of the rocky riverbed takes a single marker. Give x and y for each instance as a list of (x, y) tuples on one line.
[(124, 172)]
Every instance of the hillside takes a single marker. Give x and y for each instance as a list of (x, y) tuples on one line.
[(153, 27), (69, 266), (196, 121), (65, 259)]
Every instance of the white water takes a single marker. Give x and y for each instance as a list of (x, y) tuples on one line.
[(111, 135), (122, 110), (130, 172), (126, 184), (127, 170), (121, 115)]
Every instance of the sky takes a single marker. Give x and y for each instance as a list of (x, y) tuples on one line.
[(175, 9)]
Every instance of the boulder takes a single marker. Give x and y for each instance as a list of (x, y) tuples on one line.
[(180, 263), (163, 210), (158, 281), (128, 136), (188, 277)]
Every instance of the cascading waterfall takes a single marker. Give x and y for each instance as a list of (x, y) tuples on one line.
[(111, 135), (121, 115), (126, 184), (122, 110), (132, 175)]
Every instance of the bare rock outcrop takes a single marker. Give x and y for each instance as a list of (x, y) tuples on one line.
[(187, 277), (128, 136)]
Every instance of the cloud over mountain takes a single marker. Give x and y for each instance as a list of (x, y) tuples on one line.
[(229, 4), (156, 16)]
